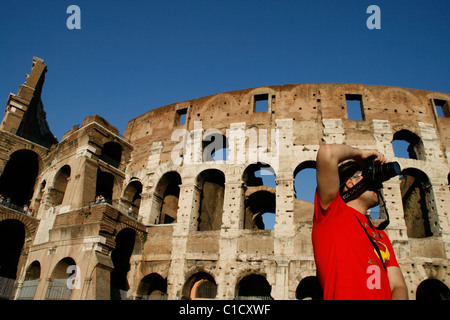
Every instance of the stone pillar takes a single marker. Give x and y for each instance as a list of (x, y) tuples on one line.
[(232, 224), (187, 212)]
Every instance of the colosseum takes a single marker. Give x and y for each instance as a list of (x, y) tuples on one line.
[(179, 207)]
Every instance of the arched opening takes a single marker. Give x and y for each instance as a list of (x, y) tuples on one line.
[(152, 287), (260, 211), (167, 193), (253, 287), (259, 174), (60, 185), (63, 280), (407, 144), (132, 197), (432, 289), (120, 257), (19, 177), (260, 201), (418, 204), (211, 184), (200, 286), (309, 289), (12, 238), (305, 185), (111, 153), (215, 147), (104, 187), (29, 285)]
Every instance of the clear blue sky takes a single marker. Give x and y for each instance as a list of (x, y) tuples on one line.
[(133, 56)]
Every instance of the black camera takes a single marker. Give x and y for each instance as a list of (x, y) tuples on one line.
[(377, 173), (374, 174)]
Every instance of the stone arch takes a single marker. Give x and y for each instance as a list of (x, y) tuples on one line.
[(131, 196), (166, 196), (259, 204), (105, 185), (200, 286), (419, 205), (412, 145), (152, 287), (40, 153), (120, 256), (259, 182), (432, 289), (12, 241), (250, 178), (253, 286), (214, 146), (18, 179), (60, 182), (30, 223), (111, 153), (210, 184), (58, 288), (308, 164), (309, 289), (32, 276)]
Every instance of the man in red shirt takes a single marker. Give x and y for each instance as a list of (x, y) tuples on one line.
[(348, 264)]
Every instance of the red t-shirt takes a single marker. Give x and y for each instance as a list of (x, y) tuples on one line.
[(347, 264)]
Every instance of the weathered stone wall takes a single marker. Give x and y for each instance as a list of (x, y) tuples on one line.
[(194, 220), (307, 116)]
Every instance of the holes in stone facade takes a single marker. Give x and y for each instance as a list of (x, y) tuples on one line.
[(29, 285), (260, 197), (260, 211), (407, 144), (59, 185), (200, 286), (305, 181), (12, 239), (180, 117), (58, 288), (253, 287), (309, 289), (152, 287), (132, 197), (355, 109), (215, 147), (418, 204), (120, 256), (111, 153), (210, 196), (442, 108), (432, 289), (19, 177), (104, 186), (261, 102), (167, 194)]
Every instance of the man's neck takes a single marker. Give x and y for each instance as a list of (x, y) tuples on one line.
[(358, 205)]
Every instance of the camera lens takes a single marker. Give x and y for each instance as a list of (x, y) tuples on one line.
[(388, 170)]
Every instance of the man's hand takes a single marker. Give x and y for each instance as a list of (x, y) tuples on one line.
[(366, 154)]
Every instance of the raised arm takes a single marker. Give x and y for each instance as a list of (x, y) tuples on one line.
[(328, 158)]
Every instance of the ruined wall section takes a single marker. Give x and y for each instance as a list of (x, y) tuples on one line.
[(306, 116), (306, 104)]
